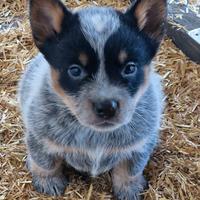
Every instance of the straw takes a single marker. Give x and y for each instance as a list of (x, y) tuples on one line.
[(174, 169)]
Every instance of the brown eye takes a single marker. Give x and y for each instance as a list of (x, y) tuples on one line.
[(129, 69), (76, 72)]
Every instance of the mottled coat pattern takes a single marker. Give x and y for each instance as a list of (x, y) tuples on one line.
[(58, 108)]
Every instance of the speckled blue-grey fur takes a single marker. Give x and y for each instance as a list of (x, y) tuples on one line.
[(45, 115), (55, 135)]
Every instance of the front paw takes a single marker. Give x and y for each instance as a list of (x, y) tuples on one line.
[(131, 190), (51, 185)]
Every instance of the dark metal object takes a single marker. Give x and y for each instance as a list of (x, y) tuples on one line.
[(178, 26)]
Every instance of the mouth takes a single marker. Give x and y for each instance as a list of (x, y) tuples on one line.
[(105, 126)]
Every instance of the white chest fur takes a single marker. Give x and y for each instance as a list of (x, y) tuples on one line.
[(96, 156)]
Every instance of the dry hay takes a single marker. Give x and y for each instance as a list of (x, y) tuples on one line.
[(174, 170)]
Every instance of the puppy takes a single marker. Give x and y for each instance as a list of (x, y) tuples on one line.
[(90, 99)]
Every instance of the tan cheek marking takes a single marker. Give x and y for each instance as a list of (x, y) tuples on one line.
[(83, 58), (55, 83), (36, 169), (122, 56), (143, 87), (68, 100), (121, 178)]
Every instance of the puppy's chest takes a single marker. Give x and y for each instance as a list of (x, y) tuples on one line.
[(94, 160)]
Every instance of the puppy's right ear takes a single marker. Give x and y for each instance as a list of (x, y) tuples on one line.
[(150, 17), (46, 18)]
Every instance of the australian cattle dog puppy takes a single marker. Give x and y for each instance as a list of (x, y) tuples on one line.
[(90, 98)]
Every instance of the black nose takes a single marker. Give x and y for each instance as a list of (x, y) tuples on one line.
[(106, 109)]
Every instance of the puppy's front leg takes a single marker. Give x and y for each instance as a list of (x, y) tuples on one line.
[(46, 170), (128, 179)]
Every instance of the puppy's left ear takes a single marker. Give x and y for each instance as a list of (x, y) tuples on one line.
[(149, 16), (46, 18)]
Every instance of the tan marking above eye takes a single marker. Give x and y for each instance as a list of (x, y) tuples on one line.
[(122, 56), (83, 58)]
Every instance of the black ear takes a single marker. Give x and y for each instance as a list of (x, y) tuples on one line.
[(150, 16), (46, 18)]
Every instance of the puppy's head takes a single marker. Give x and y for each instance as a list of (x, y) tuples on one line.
[(99, 57)]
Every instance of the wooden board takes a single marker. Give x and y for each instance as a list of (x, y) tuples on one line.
[(178, 26)]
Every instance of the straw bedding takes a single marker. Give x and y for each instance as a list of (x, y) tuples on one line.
[(174, 170)]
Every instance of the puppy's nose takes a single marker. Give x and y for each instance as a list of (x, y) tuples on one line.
[(106, 109)]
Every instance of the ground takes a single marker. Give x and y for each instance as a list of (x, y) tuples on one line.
[(174, 169)]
